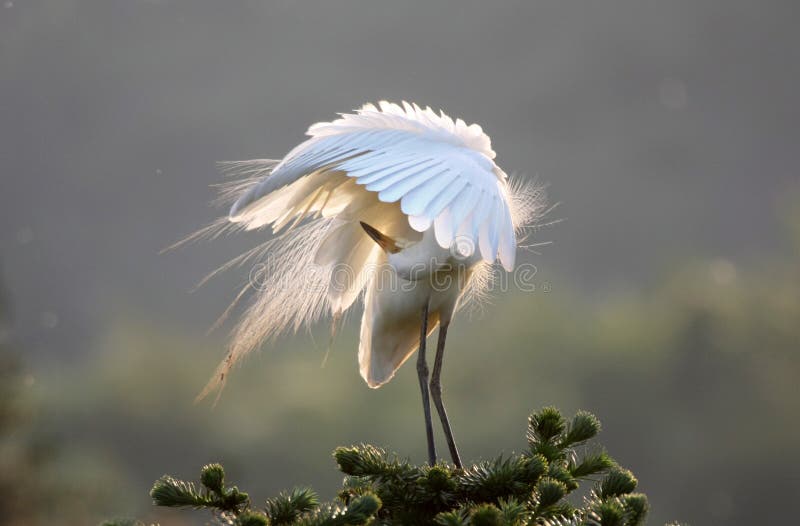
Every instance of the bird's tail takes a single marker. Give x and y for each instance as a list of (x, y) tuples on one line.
[(386, 342)]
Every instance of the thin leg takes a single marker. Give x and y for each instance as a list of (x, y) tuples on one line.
[(436, 393), (422, 372)]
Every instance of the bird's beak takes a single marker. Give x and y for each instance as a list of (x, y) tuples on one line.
[(385, 242)]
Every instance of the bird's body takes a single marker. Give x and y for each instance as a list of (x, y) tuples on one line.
[(400, 204), (426, 275)]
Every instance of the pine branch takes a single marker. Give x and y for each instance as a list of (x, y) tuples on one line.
[(171, 492), (532, 488)]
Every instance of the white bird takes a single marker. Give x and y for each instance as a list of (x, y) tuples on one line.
[(398, 203)]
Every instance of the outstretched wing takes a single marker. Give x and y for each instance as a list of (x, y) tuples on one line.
[(441, 172)]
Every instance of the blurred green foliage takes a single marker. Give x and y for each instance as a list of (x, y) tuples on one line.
[(695, 380), (43, 480)]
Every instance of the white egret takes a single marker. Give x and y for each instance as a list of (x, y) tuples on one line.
[(398, 203)]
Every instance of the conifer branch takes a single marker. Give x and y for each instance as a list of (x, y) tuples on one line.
[(532, 488)]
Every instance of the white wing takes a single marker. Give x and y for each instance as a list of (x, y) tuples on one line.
[(441, 171)]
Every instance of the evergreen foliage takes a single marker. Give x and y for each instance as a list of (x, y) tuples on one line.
[(535, 487)]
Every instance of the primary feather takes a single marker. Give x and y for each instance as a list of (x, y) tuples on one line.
[(403, 154), (400, 169)]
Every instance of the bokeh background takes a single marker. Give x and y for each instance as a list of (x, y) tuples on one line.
[(668, 302)]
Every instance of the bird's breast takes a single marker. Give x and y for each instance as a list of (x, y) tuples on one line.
[(427, 260)]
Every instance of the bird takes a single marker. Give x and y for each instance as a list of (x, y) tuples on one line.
[(394, 206)]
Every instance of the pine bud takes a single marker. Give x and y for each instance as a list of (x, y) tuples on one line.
[(213, 477), (487, 515), (583, 427), (550, 491), (363, 507), (618, 482), (637, 507), (250, 518)]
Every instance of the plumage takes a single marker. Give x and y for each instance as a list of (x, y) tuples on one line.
[(405, 154), (421, 178)]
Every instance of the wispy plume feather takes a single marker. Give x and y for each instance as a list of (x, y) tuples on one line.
[(289, 292)]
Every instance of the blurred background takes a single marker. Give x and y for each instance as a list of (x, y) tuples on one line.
[(668, 302)]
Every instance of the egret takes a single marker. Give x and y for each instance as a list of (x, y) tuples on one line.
[(397, 205)]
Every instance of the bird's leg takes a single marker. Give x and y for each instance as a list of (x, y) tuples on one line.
[(422, 372), (436, 393)]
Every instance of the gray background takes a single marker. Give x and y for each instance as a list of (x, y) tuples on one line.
[(667, 131)]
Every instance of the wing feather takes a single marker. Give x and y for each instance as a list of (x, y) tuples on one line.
[(479, 215), (405, 174), (464, 203), (487, 237), (417, 198), (402, 188), (445, 198), (420, 223), (383, 168), (508, 242), (440, 170)]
